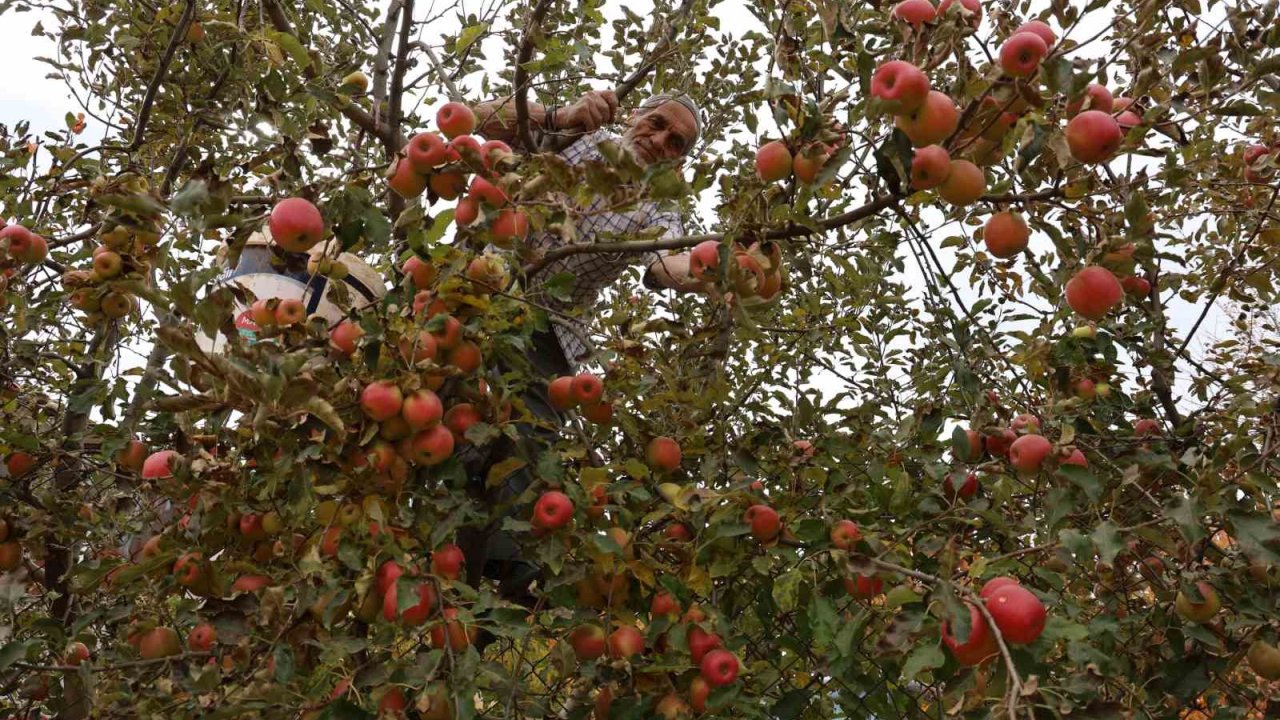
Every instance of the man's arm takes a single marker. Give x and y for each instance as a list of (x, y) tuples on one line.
[(496, 119), (672, 273)]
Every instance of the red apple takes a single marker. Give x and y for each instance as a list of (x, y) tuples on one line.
[(932, 122), (599, 413), (405, 181), (202, 638), (447, 562), (1093, 136), (345, 335), (915, 12), (560, 393), (1028, 453), (588, 641), (448, 185), (663, 454), (553, 510), (1006, 234), (704, 260), (510, 225), (429, 447), (467, 211), (132, 456), (1075, 457), (1025, 423), (421, 272), (161, 464), (664, 603), (486, 192), (296, 225), (1020, 56), (422, 409), (625, 642), (1018, 613), (845, 534), (809, 163), (699, 691), (426, 151), (587, 389), (1146, 427), (19, 463), (413, 615), (929, 167), (455, 119), (980, 645), (1094, 291), (1095, 97), (1139, 287), (381, 400), (701, 642), (159, 642), (495, 155), (1040, 29), (994, 584), (967, 489), (719, 667), (863, 587), (764, 521), (998, 444), (964, 185), (900, 86), (773, 161), (290, 311)]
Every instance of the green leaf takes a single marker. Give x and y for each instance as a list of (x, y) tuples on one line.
[(284, 663), (926, 656), (468, 36), (1258, 536), (1106, 537), (294, 48), (791, 705), (13, 652), (1083, 479), (560, 286)]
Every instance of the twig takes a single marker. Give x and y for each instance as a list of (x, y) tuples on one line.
[(1221, 282)]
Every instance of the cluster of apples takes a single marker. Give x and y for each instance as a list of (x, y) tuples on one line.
[(428, 161), (717, 666), (927, 117), (1018, 613), (18, 245), (584, 391), (1021, 443), (755, 275), (129, 239)]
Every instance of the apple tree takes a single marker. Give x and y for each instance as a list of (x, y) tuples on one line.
[(975, 412)]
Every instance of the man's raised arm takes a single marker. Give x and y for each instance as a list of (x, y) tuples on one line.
[(496, 119)]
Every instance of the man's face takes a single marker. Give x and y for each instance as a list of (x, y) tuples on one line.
[(661, 133)]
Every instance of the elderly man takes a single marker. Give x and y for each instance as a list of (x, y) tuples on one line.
[(664, 128)]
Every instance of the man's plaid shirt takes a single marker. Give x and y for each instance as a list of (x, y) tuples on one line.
[(595, 271)]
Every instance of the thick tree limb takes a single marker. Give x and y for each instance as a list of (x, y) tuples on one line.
[(521, 79)]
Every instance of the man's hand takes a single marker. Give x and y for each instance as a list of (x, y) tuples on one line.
[(591, 112)]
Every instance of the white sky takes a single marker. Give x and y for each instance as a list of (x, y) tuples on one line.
[(44, 102)]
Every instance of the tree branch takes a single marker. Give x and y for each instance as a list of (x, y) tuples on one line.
[(148, 99), (637, 246), (521, 79)]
